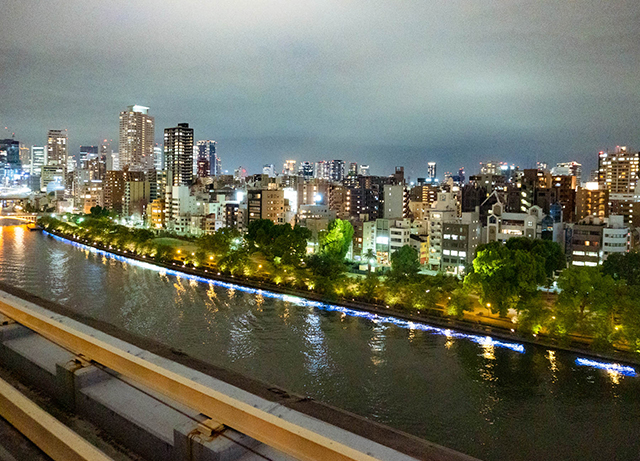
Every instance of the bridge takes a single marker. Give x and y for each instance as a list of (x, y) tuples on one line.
[(26, 217), (161, 405)]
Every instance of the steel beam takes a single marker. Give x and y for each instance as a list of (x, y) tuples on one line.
[(293, 439), (49, 434)]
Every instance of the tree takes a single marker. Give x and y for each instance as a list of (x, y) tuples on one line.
[(629, 311), (279, 243), (505, 277), (587, 303), (370, 257), (459, 302), (623, 266), (336, 240), (327, 272), (221, 242), (405, 263), (98, 212), (550, 252)]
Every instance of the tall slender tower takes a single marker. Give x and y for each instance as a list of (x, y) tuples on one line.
[(137, 130), (178, 154)]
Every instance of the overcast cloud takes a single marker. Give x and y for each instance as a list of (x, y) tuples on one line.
[(381, 82)]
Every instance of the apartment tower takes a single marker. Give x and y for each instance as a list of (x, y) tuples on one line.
[(137, 130)]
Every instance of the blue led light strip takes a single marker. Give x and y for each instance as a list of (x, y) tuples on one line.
[(613, 367), (408, 324)]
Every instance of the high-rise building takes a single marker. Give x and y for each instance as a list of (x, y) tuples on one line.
[(219, 171), (178, 154), (207, 151), (115, 161), (115, 188), (336, 170), (322, 170), (38, 159), (71, 164), (105, 149), (353, 169), (363, 170), (87, 153), (136, 139), (158, 158), (10, 153), (57, 148), (461, 175), (568, 169), (592, 200), (618, 171), (306, 170), (97, 167), (431, 171), (25, 157), (202, 168), (269, 169), (289, 167)]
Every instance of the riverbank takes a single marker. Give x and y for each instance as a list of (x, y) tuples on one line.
[(478, 328)]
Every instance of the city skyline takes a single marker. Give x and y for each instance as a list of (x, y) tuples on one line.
[(446, 83)]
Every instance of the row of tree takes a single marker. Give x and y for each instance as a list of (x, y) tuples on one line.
[(598, 302), (601, 302)]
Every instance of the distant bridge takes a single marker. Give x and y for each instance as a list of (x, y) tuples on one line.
[(26, 217)]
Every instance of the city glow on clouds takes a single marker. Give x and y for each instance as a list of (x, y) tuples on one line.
[(444, 81)]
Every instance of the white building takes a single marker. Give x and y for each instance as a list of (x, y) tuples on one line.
[(444, 209), (502, 226)]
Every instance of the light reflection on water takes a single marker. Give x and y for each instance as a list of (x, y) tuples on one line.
[(471, 394)]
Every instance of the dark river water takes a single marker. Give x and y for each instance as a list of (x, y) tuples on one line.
[(491, 400)]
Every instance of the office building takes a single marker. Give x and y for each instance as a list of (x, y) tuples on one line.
[(38, 159)]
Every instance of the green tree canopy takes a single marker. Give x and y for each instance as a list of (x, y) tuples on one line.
[(405, 263), (336, 240), (587, 303), (505, 277), (623, 266), (551, 253), (221, 242), (99, 212), (281, 241)]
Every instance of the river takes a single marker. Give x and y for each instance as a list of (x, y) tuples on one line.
[(491, 400)]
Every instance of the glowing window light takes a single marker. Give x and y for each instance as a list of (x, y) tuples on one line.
[(410, 325)]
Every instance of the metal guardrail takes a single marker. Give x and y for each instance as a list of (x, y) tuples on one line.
[(293, 439)]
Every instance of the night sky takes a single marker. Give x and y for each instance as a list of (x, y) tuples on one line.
[(387, 83)]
